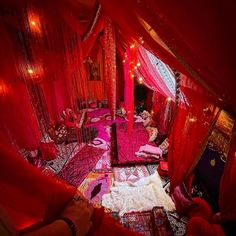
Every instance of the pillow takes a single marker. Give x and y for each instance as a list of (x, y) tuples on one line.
[(164, 146), (160, 138), (93, 105), (162, 169), (152, 132)]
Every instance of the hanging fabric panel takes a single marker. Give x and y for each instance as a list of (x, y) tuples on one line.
[(129, 85), (191, 128), (148, 69), (110, 65)]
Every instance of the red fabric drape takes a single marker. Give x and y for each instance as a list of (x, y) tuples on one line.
[(151, 77), (27, 195), (227, 195), (163, 111), (203, 47), (110, 65), (18, 122), (129, 85), (191, 127)]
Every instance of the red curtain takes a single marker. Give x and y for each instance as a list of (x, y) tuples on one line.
[(227, 194), (163, 111), (18, 122), (191, 128), (150, 74)]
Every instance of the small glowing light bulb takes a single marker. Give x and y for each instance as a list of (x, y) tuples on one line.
[(132, 76), (135, 67), (33, 23), (138, 64), (30, 71), (169, 99), (140, 79), (192, 119)]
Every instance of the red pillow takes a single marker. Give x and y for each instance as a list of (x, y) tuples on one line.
[(49, 151), (93, 105)]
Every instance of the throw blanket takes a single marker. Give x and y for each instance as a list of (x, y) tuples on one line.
[(142, 195)]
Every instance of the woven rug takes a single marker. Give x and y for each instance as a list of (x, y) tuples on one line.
[(177, 223), (140, 222), (64, 154), (131, 174), (161, 223), (95, 185), (80, 165), (124, 146), (152, 168), (104, 164), (149, 223)]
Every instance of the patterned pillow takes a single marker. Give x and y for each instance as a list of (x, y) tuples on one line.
[(152, 132), (164, 146)]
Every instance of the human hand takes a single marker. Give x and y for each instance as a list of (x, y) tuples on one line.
[(80, 212)]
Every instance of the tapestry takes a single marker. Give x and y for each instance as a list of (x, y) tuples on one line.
[(130, 174), (95, 185), (80, 165), (124, 145), (149, 223)]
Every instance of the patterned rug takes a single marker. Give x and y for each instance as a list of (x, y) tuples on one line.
[(161, 223), (124, 146), (149, 223), (177, 223), (131, 174), (64, 154), (152, 168), (95, 185), (104, 164), (80, 165), (140, 222)]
